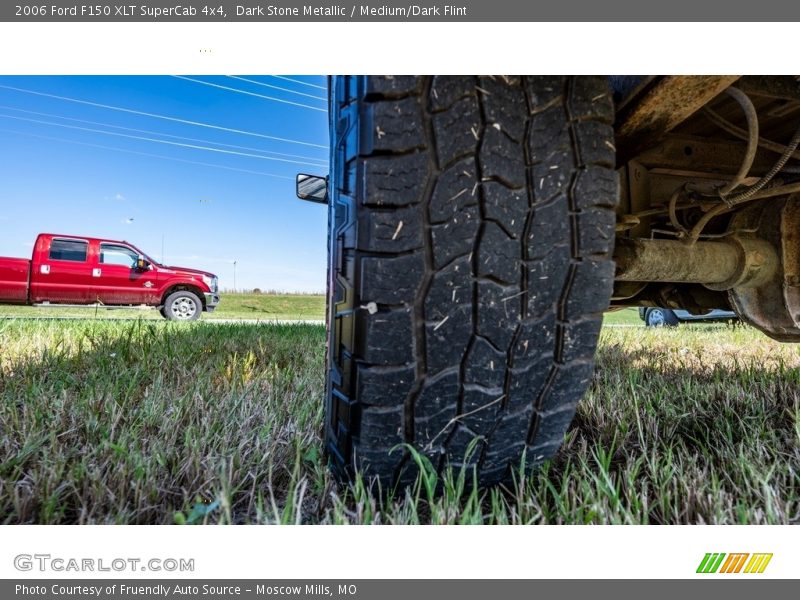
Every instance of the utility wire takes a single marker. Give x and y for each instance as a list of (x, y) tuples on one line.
[(246, 93), (159, 156), (314, 85), (164, 117), (276, 87), (322, 161), (157, 141)]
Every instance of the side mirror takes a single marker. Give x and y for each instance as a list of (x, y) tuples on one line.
[(142, 264), (312, 188)]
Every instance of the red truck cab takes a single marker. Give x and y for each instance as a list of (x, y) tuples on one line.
[(73, 270)]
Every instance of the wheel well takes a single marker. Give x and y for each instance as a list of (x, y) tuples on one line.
[(184, 288)]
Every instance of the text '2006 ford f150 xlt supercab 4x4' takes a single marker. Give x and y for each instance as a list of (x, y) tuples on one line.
[(83, 271)]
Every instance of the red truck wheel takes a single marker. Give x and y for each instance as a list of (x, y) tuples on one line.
[(182, 306), (471, 234)]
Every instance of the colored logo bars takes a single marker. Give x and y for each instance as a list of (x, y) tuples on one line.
[(717, 562)]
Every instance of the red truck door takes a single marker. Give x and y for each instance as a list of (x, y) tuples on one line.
[(61, 271), (118, 281)]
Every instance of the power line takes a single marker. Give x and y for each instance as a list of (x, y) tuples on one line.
[(276, 87), (164, 117), (322, 161), (321, 87), (159, 156), (157, 141), (246, 93)]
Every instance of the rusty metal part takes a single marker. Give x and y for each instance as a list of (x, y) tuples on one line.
[(735, 262), (689, 296), (663, 107), (772, 86), (637, 197), (774, 307), (684, 153), (626, 222)]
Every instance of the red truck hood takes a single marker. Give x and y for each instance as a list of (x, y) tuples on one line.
[(184, 271)]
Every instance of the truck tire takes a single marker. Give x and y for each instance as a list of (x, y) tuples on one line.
[(182, 306), (470, 247), (660, 317)]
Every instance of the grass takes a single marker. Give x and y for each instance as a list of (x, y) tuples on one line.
[(232, 306), (153, 422), (626, 316)]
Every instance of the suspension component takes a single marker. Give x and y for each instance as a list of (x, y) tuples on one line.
[(721, 265), (774, 307)]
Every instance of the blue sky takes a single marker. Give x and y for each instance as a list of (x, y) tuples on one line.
[(230, 199)]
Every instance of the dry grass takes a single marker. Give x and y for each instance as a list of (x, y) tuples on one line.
[(151, 422)]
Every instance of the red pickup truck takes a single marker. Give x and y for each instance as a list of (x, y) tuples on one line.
[(82, 271)]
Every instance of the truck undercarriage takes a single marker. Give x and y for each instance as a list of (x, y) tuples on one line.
[(708, 214)]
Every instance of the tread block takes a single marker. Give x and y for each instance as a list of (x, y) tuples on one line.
[(527, 383), (551, 178), (492, 474), (455, 189), (540, 452), (387, 337), (498, 254), (501, 158), (448, 316), (548, 136), (391, 280), (392, 231), (503, 101), (464, 449), (504, 456), (393, 180), (480, 408), (499, 312), (594, 143), (435, 409), (384, 386), (455, 237), (447, 89), (567, 387), (596, 231), (506, 206), (580, 339), (596, 186), (392, 126), (391, 86), (535, 340), (590, 98), (457, 130), (513, 426), (546, 279), (549, 227), (377, 463), (484, 364), (381, 426), (591, 288), (543, 90), (552, 427)]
